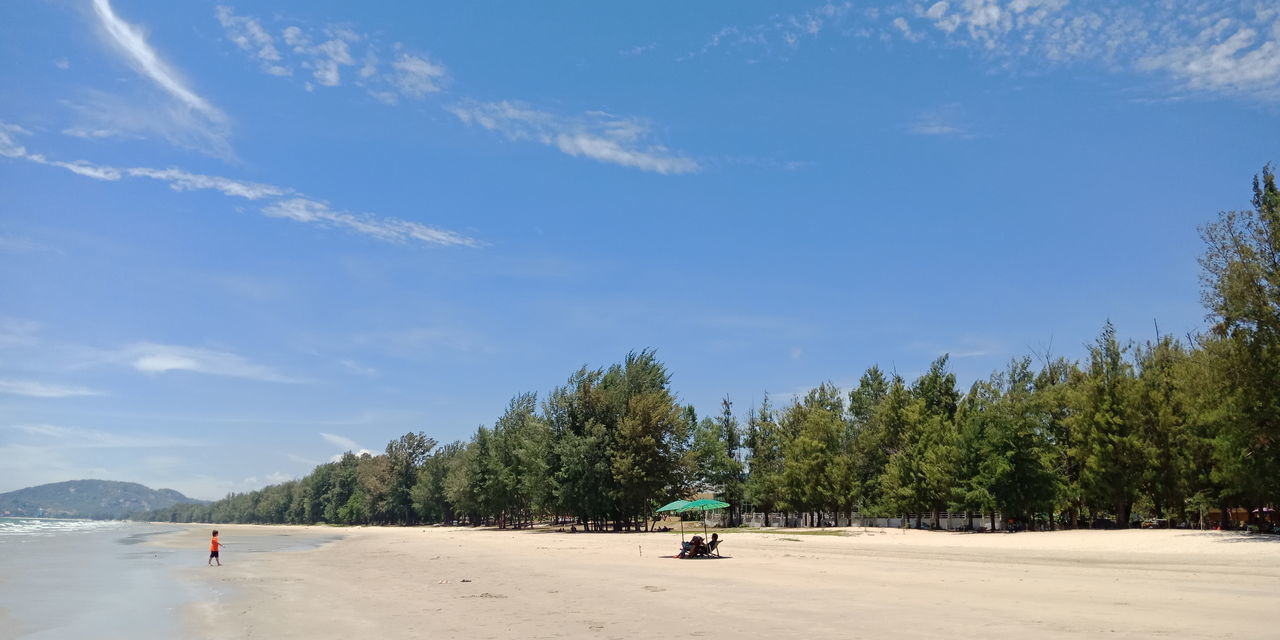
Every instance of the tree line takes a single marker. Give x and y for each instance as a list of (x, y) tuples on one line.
[(1168, 428)]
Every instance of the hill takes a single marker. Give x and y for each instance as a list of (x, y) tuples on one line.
[(97, 499)]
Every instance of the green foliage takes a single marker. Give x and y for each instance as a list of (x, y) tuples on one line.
[(1242, 291)]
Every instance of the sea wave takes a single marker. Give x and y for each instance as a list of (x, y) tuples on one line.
[(50, 527)]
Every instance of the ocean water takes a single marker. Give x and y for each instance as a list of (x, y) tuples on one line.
[(88, 579), (100, 580)]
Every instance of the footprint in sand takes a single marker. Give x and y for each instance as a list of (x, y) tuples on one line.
[(649, 587)]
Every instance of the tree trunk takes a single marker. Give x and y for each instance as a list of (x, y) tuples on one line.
[(993, 521)]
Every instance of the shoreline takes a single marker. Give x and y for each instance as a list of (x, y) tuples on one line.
[(401, 582)]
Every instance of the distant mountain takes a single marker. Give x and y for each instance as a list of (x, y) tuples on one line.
[(97, 499)]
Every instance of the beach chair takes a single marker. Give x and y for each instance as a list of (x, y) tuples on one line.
[(714, 547)]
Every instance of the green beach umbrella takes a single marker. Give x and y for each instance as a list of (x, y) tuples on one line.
[(703, 505), (672, 507)]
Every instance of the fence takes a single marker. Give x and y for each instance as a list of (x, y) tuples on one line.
[(948, 521)]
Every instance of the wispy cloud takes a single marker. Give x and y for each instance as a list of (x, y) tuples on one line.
[(293, 457), (1229, 47), (942, 121), (779, 33), (333, 51), (340, 441), (299, 209), (36, 389), (18, 333), (601, 136), (389, 229), (63, 437), (357, 368), (345, 444), (189, 110), (416, 76), (415, 342), (248, 34), (326, 59), (904, 28), (146, 357), (152, 358), (637, 50), (19, 244), (1227, 57), (335, 55), (965, 347)]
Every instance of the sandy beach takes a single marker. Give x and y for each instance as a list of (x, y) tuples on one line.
[(453, 582)]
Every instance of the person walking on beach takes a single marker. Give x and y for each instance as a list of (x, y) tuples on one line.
[(213, 549)]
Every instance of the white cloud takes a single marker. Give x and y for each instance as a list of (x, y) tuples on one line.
[(62, 63), (409, 75), (416, 76), (389, 229), (152, 358), (191, 110), (1240, 63), (298, 208), (596, 135), (328, 56), (248, 34), (180, 180), (9, 146), (1229, 47), (35, 389), (134, 45), (900, 24)]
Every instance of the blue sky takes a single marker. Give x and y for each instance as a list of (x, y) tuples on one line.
[(238, 239)]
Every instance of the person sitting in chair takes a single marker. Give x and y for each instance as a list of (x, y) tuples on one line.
[(694, 547), (711, 546)]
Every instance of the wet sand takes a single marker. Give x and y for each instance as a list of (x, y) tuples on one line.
[(451, 582)]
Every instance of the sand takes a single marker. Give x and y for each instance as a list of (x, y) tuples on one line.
[(454, 582)]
